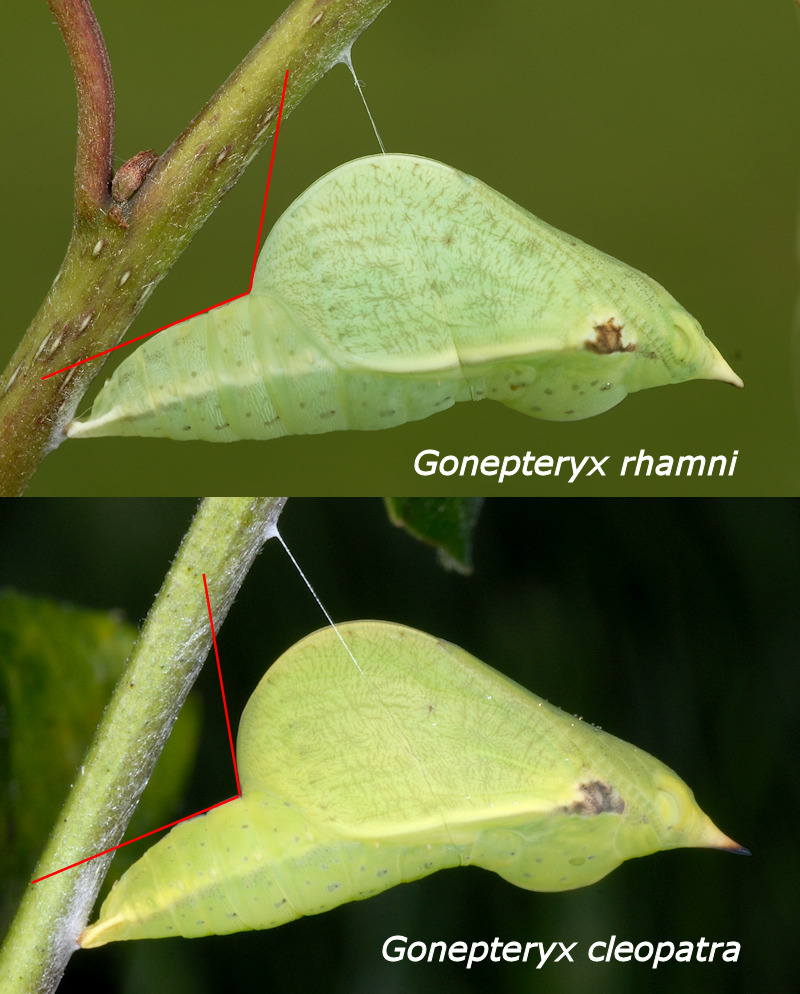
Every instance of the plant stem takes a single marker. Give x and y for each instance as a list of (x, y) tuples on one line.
[(114, 260), (95, 86), (225, 536)]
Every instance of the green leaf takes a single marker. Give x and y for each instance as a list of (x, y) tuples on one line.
[(58, 665), (447, 523)]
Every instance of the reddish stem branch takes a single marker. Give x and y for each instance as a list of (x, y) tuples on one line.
[(95, 88)]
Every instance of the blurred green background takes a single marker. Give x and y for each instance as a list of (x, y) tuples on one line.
[(664, 134), (673, 624)]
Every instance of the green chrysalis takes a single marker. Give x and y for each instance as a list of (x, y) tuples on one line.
[(425, 758), (392, 288)]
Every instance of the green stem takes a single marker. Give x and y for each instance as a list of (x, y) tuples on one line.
[(224, 538), (115, 259)]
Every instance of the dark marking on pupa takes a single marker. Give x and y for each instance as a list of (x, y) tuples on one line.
[(609, 339), (596, 798)]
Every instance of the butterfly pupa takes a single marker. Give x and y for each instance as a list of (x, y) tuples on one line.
[(354, 781), (394, 287)]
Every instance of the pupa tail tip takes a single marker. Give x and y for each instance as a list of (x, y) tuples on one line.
[(735, 848), (714, 839), (720, 370)]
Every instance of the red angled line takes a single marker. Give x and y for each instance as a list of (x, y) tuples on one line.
[(205, 310), (222, 690), (138, 338), (171, 824), (269, 177), (121, 845)]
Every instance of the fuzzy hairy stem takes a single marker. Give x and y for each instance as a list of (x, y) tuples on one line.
[(115, 259), (225, 536), (95, 88)]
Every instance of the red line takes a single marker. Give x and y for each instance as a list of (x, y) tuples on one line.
[(130, 341), (121, 845), (222, 690), (269, 177), (153, 831)]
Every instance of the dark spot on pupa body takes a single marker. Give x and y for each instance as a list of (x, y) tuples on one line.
[(596, 798), (609, 339)]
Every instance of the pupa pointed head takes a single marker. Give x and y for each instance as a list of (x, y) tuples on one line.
[(680, 822)]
